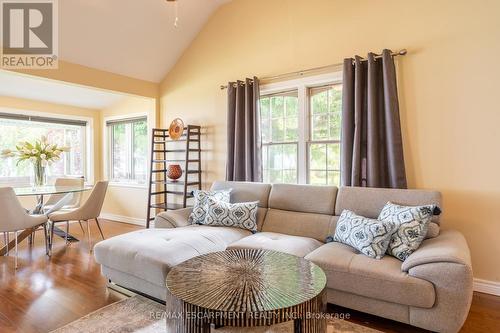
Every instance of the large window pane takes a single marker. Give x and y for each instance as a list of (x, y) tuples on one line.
[(72, 163), (279, 117), (280, 134), (128, 151), (324, 147)]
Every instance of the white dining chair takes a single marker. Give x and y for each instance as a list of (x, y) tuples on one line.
[(14, 218), (75, 201), (76, 198), (90, 210)]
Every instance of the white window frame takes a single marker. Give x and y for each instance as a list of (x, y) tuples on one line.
[(107, 151), (89, 172), (302, 85)]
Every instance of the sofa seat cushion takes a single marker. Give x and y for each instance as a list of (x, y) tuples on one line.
[(294, 245), (350, 271), (150, 253)]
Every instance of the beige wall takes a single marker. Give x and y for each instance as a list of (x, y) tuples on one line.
[(448, 88), (126, 201)]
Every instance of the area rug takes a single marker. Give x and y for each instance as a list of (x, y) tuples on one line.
[(138, 314)]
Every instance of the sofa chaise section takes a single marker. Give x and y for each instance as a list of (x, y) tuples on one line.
[(141, 260), (147, 255)]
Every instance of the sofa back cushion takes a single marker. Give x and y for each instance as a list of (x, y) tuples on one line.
[(301, 210), (369, 202), (303, 198), (246, 192), (317, 226)]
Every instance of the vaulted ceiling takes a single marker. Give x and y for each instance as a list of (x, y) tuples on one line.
[(136, 38)]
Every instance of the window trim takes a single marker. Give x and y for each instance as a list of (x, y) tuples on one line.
[(89, 172), (302, 85), (107, 151)]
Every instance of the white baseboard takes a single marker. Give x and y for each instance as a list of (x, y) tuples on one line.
[(487, 287), (124, 219)]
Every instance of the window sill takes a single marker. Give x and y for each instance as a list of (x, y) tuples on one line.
[(128, 185)]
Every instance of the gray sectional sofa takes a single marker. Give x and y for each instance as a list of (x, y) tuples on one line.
[(432, 289)]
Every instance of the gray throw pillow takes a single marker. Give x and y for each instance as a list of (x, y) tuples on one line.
[(369, 236), (199, 212), (412, 224), (240, 215)]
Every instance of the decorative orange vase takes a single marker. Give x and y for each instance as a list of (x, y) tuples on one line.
[(174, 172)]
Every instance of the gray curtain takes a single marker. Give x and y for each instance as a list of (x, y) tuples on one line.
[(372, 146), (244, 157)]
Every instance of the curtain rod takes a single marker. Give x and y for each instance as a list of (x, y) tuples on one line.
[(401, 52)]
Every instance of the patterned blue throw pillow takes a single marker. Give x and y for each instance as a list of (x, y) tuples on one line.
[(412, 223), (369, 236), (240, 215), (199, 212)]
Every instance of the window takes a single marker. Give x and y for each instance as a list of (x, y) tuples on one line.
[(325, 105), (15, 128), (279, 118), (300, 126), (128, 150)]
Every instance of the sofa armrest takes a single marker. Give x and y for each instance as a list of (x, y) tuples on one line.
[(450, 247), (445, 262), (173, 218)]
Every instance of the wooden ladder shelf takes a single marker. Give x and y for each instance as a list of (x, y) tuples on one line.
[(186, 151)]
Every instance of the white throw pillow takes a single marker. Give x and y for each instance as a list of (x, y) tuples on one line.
[(369, 236), (412, 224), (240, 215), (199, 212)]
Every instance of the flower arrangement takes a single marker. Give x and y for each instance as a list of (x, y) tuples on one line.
[(41, 154)]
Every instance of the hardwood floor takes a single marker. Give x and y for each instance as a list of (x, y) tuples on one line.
[(44, 294)]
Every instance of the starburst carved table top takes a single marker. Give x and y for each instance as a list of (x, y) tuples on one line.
[(249, 282)]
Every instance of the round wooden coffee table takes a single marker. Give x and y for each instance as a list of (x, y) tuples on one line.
[(245, 288)]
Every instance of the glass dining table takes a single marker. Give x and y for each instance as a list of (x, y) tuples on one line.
[(64, 195)]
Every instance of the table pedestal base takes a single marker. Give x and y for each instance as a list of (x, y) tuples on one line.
[(182, 317)]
